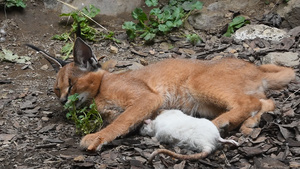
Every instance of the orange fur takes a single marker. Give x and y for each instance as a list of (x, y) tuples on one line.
[(227, 90)]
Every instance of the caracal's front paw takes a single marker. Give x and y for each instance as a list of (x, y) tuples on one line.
[(246, 131), (221, 124), (91, 142)]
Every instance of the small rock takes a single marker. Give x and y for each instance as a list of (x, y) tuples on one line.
[(294, 164), (47, 128), (6, 137), (289, 113), (122, 64), (165, 46), (259, 31), (143, 62), (54, 140), (135, 66), (188, 51), (45, 119), (294, 32), (245, 45), (2, 39), (2, 31), (79, 159), (152, 52), (45, 67), (113, 49), (288, 59), (270, 163), (47, 113), (140, 53), (290, 13)]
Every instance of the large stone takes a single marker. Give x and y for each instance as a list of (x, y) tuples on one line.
[(214, 17), (107, 7), (259, 31), (210, 22), (291, 14), (289, 59)]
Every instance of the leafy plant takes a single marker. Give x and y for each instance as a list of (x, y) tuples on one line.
[(80, 17), (110, 36), (87, 32), (236, 23), (194, 39), (159, 21), (14, 3), (86, 119)]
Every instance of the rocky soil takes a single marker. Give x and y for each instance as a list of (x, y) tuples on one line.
[(34, 132)]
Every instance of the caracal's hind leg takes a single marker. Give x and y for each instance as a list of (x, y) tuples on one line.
[(241, 107), (251, 122)]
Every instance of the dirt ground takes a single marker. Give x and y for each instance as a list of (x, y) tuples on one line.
[(34, 132)]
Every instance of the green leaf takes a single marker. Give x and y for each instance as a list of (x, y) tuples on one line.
[(149, 36), (155, 11), (15, 3), (73, 97), (68, 115), (150, 3), (178, 23), (177, 13), (129, 26), (66, 50), (163, 28), (62, 37), (189, 6), (170, 24), (237, 20), (139, 14), (194, 39), (92, 11), (236, 23)]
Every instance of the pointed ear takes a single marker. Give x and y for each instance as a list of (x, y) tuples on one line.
[(55, 63), (84, 57)]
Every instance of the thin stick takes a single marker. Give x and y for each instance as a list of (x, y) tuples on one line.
[(71, 6), (291, 95)]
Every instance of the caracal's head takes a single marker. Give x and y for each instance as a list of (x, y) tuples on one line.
[(83, 76)]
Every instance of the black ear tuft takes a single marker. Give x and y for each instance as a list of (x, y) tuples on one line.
[(55, 62), (84, 57)]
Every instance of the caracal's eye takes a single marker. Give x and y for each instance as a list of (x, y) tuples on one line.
[(57, 91), (70, 86)]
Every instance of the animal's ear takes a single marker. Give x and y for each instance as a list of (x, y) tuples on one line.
[(148, 121), (84, 57), (55, 62)]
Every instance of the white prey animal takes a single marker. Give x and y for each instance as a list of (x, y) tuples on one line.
[(175, 127)]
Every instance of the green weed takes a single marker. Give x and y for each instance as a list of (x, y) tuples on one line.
[(86, 119), (194, 39), (160, 21), (14, 3), (87, 32), (236, 23)]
